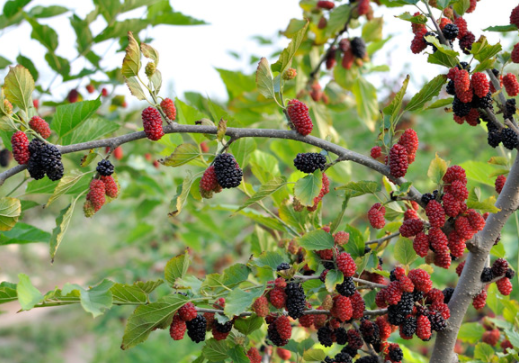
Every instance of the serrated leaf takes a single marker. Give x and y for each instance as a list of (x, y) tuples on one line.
[(68, 117), (309, 187), (127, 294), (235, 274), (443, 59), (440, 47), (285, 58), (356, 189), (264, 79), (248, 325), (237, 354), (43, 34), (437, 169), (176, 268), (356, 245), (147, 317), (407, 16), (430, 90), (471, 333), (484, 352), (135, 88), (98, 298), (333, 277), (221, 129), (92, 129), (149, 52), (18, 87), (396, 105), (182, 194), (316, 240), (62, 223), (314, 355), (483, 51), (156, 80), (478, 171), (183, 154), (215, 350), (265, 190), (132, 59), (28, 295), (486, 64), (239, 301), (10, 210), (64, 186), (7, 293), (269, 259), (404, 251), (372, 30)]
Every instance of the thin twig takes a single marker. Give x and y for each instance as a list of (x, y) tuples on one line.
[(383, 239), (440, 33)]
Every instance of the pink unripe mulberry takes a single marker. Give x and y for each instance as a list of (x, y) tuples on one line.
[(169, 109), (40, 126), (20, 145), (152, 122), (298, 114)]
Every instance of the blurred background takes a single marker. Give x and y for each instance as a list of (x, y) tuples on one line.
[(132, 238)]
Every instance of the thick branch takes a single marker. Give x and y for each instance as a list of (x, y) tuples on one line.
[(469, 283), (235, 133)]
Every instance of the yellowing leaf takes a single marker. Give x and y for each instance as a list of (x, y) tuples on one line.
[(132, 59), (10, 210), (149, 52), (437, 169), (264, 79)]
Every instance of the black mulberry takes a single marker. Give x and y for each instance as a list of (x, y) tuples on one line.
[(228, 172), (105, 168), (309, 162), (196, 329)]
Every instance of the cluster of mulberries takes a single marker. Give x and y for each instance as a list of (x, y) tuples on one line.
[(500, 268), (401, 155), (353, 52), (279, 329), (105, 186), (44, 159), (227, 171)]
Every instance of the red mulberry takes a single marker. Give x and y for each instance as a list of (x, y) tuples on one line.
[(283, 327), (298, 114), (261, 306), (169, 109), (466, 42), (40, 126), (177, 328), (254, 355), (462, 81), (456, 244), (410, 214), (325, 189), (423, 328), (96, 195), (480, 300), (187, 312), (451, 205), (342, 308), (111, 189), (376, 216), (278, 297), (384, 328), (393, 293), (438, 240), (346, 264), (453, 173), (421, 280), (500, 183), (409, 140), (421, 244), (398, 163), (376, 152), (209, 181), (152, 123), (476, 220), (458, 190), (504, 286), (491, 337), (358, 305), (341, 238), (411, 227), (20, 145), (328, 5), (480, 84), (459, 269), (511, 84), (462, 26), (416, 27), (514, 16), (463, 228), (442, 259), (472, 6), (418, 44), (435, 213)]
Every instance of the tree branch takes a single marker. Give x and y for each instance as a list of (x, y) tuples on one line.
[(385, 238), (469, 283), (341, 152), (307, 312)]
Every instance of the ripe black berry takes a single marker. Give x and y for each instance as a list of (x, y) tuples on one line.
[(459, 108), (349, 350), (437, 321), (273, 336), (394, 315), (324, 335), (409, 326), (283, 266), (5, 158), (228, 172), (417, 295), (358, 47), (510, 108), (347, 288), (510, 274), (395, 353), (484, 102), (368, 359), (309, 162), (343, 358), (196, 328), (105, 168), (223, 328), (296, 300), (406, 303), (494, 138), (450, 88), (369, 330), (426, 198), (44, 159), (509, 138), (450, 31), (447, 294), (341, 336), (487, 275)]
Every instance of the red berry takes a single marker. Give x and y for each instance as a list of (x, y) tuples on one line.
[(511, 84), (421, 244), (277, 297), (177, 328), (283, 353), (261, 306), (104, 92), (111, 189), (500, 183), (358, 305), (411, 227), (363, 7), (328, 5), (306, 320), (418, 44), (283, 327), (443, 22), (421, 280), (491, 337), (442, 308), (435, 213), (398, 163), (380, 299), (505, 344), (73, 96), (169, 109), (453, 173), (473, 118), (393, 293), (118, 153), (346, 264), (459, 269), (423, 328), (342, 308), (376, 152), (480, 84), (347, 59), (462, 81), (479, 301), (36, 103), (376, 216), (472, 6), (90, 88), (20, 145), (254, 355), (341, 238), (384, 328), (465, 96), (96, 195), (208, 181), (298, 114), (187, 312), (438, 240), (219, 335), (462, 26), (458, 189), (409, 140), (434, 296), (451, 205), (406, 285), (410, 214), (456, 244), (514, 16), (476, 220), (209, 318), (463, 228), (417, 27), (152, 123), (452, 73), (326, 254), (442, 259), (40, 126), (504, 286)]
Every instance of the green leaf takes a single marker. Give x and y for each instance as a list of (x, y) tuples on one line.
[(338, 219), (64, 185), (27, 63), (487, 205), (441, 47), (242, 150), (183, 154), (372, 30), (367, 105), (501, 28), (135, 88), (419, 19), (483, 51), (147, 317), (149, 52), (316, 240), (69, 117), (24, 233), (62, 223), (58, 64), (47, 11), (148, 286), (215, 350), (235, 274), (314, 355), (478, 171), (471, 333), (265, 190), (484, 352), (309, 187), (461, 6), (264, 79), (440, 103), (404, 251), (28, 295), (182, 193), (121, 29), (356, 189), (443, 59), (333, 277), (337, 17), (269, 259), (176, 18), (430, 90), (128, 294), (498, 160), (92, 129), (12, 7), (396, 105), (132, 59), (437, 169), (442, 4), (43, 34), (176, 268), (109, 8), (285, 58), (98, 298), (4, 62), (237, 354), (7, 293), (239, 301), (248, 325), (356, 245), (18, 87), (47, 186), (10, 210)]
